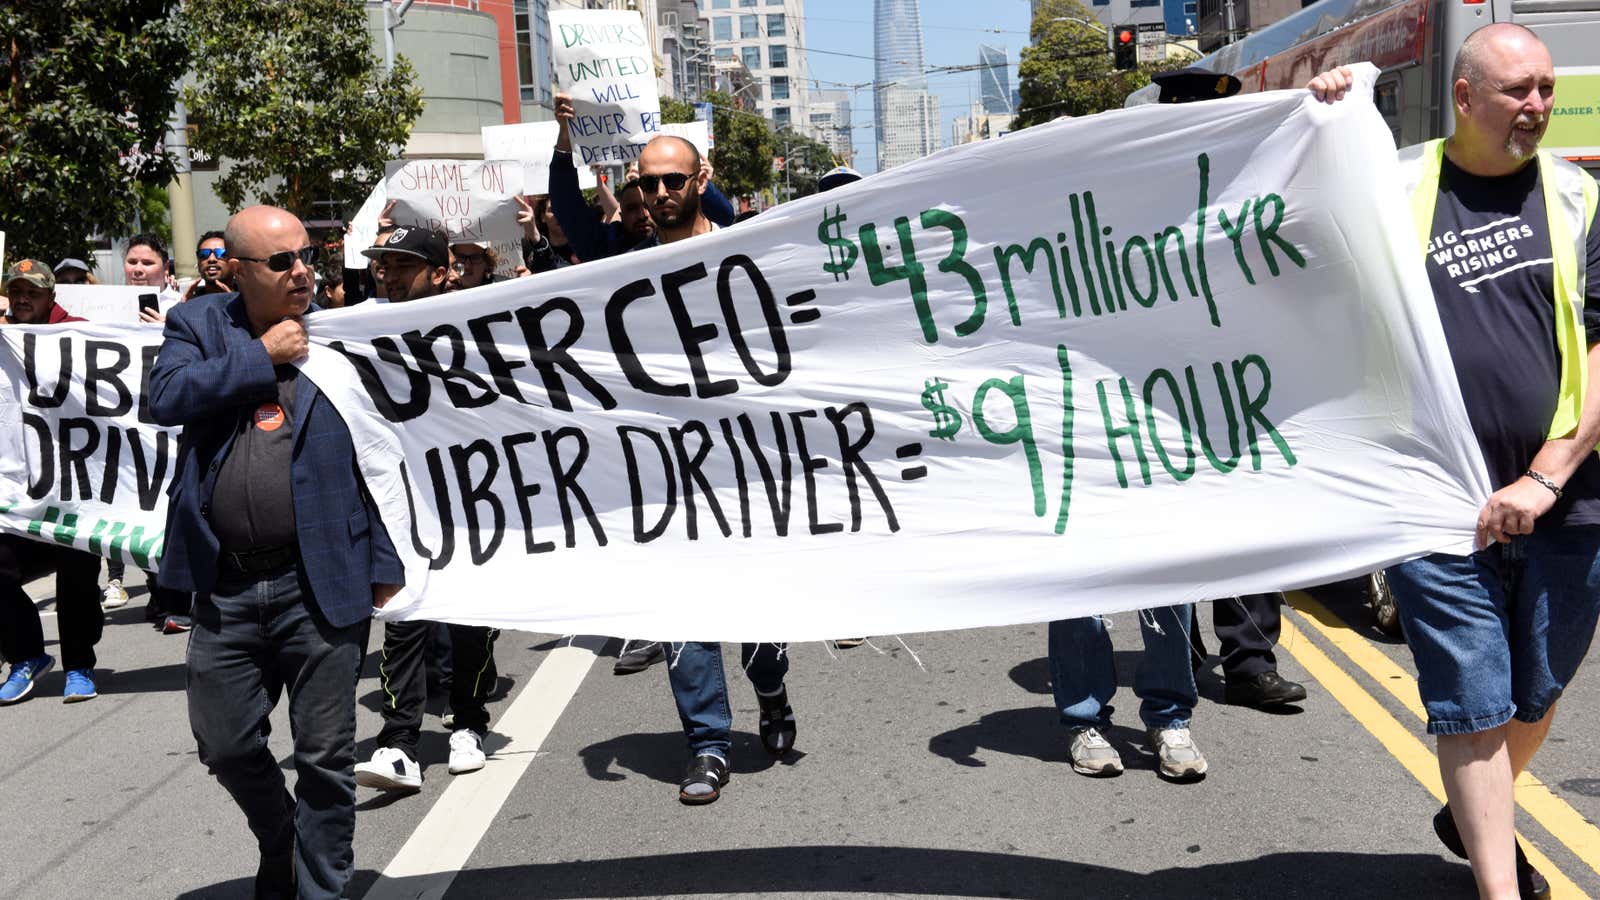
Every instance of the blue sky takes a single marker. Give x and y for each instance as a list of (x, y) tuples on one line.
[(951, 33)]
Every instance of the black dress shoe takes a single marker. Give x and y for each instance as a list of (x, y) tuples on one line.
[(1264, 690), (1530, 883), (638, 657)]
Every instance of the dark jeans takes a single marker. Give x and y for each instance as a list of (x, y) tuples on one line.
[(403, 673), (78, 616), (1247, 629), (254, 635), (700, 688)]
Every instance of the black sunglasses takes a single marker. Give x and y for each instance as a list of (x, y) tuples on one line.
[(673, 180), (211, 252), (283, 260)]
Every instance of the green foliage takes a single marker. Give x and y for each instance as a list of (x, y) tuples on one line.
[(675, 111), (155, 212), (1068, 70), (304, 110), (86, 82), (745, 148), (807, 161)]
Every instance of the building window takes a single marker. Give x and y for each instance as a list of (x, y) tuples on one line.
[(751, 57), (533, 51), (720, 4), (722, 28), (775, 25), (724, 53), (780, 116), (778, 57), (749, 26), (780, 88), (747, 3)]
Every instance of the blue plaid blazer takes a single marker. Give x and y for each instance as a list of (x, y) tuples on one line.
[(208, 373)]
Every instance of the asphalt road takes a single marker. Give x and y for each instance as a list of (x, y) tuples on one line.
[(930, 764)]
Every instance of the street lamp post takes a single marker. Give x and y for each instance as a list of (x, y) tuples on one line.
[(392, 19)]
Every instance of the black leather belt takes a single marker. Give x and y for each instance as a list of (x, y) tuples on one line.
[(266, 559)]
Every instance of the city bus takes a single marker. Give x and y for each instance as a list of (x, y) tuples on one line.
[(1413, 43)]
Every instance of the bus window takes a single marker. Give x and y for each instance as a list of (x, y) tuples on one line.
[(1386, 96)]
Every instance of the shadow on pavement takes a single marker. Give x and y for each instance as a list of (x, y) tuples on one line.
[(661, 756), (170, 677), (830, 870)]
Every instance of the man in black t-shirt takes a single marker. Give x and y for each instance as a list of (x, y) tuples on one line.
[(1513, 256)]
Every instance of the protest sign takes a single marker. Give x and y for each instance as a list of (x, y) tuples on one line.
[(532, 143), (470, 201), (81, 462), (363, 231), (106, 303), (703, 113), (1085, 382), (603, 59), (695, 133)]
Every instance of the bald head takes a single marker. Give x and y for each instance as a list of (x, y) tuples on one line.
[(1503, 89), (1484, 47), (671, 182), (251, 227), (254, 236)]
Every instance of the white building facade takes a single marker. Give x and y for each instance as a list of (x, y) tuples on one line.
[(769, 38)]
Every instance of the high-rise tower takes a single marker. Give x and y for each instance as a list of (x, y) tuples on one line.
[(906, 116)]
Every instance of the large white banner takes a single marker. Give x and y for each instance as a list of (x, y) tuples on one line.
[(603, 59), (81, 462), (1158, 355)]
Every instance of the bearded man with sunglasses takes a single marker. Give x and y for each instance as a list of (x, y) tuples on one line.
[(671, 177), (269, 525)]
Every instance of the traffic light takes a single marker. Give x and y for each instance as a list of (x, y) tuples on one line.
[(1125, 46)]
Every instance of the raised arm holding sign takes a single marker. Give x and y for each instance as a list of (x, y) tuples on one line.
[(603, 59)]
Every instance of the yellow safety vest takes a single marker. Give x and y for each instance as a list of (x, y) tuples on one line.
[(1570, 197)]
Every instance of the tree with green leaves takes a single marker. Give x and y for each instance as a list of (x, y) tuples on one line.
[(295, 102), (1068, 70), (89, 85)]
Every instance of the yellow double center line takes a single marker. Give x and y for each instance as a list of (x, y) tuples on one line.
[(1552, 813)]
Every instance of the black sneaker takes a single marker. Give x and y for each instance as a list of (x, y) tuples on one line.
[(1530, 883), (638, 657), (1264, 690), (703, 782), (777, 722)]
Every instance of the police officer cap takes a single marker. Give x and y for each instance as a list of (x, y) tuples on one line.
[(1194, 83)]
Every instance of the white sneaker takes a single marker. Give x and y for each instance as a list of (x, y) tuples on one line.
[(466, 752), (390, 769), (114, 595), (1180, 759)]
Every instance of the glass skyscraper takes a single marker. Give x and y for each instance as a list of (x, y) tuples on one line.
[(905, 116)]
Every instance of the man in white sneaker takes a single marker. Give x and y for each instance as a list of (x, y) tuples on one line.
[(1084, 678), (416, 263)]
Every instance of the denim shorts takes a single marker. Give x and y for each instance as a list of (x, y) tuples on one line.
[(1500, 633)]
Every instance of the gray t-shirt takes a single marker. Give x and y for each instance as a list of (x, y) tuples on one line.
[(252, 505)]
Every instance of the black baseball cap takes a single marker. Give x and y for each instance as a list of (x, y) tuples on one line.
[(427, 245), (1194, 83)]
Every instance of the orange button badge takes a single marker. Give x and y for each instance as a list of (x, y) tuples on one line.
[(269, 417)]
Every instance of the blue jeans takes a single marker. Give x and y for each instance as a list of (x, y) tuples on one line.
[(700, 688), (1500, 633), (1084, 676), (253, 635)]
